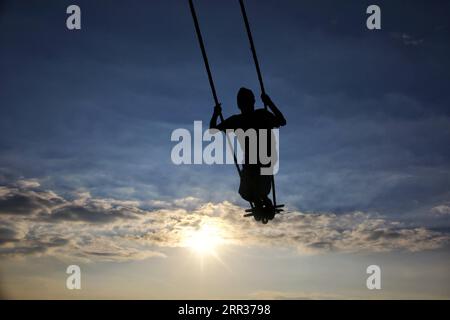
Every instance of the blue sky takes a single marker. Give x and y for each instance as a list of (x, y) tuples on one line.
[(87, 115)]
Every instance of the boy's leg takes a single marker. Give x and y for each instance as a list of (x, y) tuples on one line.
[(264, 188), (247, 190)]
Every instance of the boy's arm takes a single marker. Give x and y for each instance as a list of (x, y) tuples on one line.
[(228, 123), (279, 118)]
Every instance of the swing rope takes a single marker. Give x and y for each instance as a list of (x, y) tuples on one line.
[(213, 89), (208, 71), (252, 47), (258, 71), (211, 82)]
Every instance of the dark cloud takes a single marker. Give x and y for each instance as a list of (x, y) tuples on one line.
[(33, 247), (47, 206), (86, 214), (7, 235), (20, 202)]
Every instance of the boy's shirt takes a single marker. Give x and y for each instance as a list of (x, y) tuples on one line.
[(258, 119)]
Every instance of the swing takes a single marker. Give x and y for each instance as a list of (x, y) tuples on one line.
[(268, 213)]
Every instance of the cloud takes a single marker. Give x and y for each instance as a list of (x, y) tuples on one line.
[(407, 39), (94, 211), (352, 232), (41, 222), (24, 202), (28, 183), (34, 246), (441, 210), (7, 235)]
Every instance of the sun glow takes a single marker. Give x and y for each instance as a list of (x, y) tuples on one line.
[(204, 240)]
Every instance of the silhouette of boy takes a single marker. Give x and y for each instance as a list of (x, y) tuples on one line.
[(254, 187)]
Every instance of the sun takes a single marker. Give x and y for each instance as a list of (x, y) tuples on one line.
[(204, 240)]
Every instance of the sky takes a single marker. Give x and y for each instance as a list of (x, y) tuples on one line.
[(86, 176)]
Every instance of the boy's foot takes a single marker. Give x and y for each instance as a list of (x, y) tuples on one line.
[(267, 202)]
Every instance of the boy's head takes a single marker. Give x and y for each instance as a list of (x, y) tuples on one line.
[(246, 100)]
